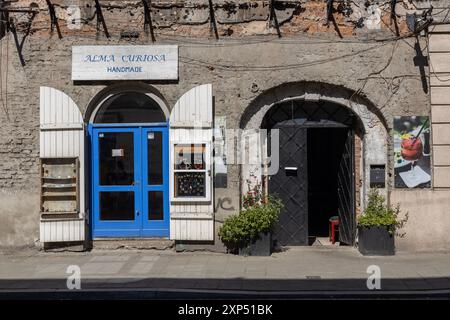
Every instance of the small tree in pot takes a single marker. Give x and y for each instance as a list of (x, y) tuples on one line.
[(378, 226), (249, 232)]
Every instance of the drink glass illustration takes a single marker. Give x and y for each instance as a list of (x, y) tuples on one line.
[(412, 149)]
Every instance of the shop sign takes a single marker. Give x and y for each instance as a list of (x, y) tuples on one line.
[(153, 62)]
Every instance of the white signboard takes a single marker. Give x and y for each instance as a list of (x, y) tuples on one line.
[(125, 62)]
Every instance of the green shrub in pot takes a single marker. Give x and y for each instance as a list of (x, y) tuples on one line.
[(378, 226), (238, 231), (378, 213)]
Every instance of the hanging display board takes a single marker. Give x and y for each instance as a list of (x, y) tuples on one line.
[(59, 186)]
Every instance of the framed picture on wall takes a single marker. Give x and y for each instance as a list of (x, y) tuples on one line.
[(412, 152)]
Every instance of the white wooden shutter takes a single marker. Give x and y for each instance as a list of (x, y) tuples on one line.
[(191, 121), (62, 135)]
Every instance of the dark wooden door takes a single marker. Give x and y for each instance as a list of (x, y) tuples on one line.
[(346, 203), (290, 183)]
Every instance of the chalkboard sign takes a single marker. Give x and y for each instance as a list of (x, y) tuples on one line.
[(189, 184)]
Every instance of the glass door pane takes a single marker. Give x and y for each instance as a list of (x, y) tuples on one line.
[(117, 205), (155, 205), (154, 157), (116, 158)]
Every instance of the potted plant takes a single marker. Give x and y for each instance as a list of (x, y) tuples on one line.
[(249, 232), (378, 225)]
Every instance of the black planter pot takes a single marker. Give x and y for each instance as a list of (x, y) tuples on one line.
[(261, 247), (376, 241)]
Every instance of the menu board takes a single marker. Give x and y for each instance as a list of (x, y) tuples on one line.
[(189, 184)]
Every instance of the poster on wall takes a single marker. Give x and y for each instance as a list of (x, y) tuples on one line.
[(412, 152)]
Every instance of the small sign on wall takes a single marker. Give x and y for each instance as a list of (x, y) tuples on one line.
[(117, 153), (220, 152), (154, 62)]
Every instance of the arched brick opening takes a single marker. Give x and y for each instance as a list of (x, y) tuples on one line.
[(371, 133)]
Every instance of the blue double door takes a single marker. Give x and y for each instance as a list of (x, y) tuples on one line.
[(130, 182)]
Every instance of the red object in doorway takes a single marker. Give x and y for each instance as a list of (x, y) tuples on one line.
[(334, 226)]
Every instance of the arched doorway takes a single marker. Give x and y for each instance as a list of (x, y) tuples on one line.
[(316, 169), (128, 130), (325, 105)]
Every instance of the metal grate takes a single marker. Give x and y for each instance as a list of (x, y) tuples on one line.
[(320, 113)]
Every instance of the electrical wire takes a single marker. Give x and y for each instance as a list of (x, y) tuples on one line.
[(361, 88), (231, 67)]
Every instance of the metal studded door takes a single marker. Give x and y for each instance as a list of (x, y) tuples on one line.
[(290, 183), (346, 189)]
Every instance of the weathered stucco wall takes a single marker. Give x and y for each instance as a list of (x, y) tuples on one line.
[(428, 219), (240, 69)]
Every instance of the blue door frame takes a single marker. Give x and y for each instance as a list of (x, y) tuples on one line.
[(140, 225)]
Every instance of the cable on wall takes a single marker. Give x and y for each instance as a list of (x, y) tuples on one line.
[(148, 24), (53, 18), (100, 18)]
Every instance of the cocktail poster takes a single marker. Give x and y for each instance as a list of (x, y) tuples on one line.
[(412, 152)]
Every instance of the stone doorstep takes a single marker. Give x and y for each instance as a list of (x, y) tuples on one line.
[(109, 244), (62, 246), (133, 244)]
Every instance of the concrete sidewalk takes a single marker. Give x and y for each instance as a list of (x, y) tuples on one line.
[(296, 269)]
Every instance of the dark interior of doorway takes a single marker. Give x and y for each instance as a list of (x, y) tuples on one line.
[(326, 147)]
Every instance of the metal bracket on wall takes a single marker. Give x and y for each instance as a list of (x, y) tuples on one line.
[(100, 18), (3, 20), (53, 18), (212, 19), (148, 25), (330, 17), (19, 44), (394, 16), (330, 11), (273, 18)]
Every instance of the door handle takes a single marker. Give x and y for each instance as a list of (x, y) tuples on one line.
[(137, 213)]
